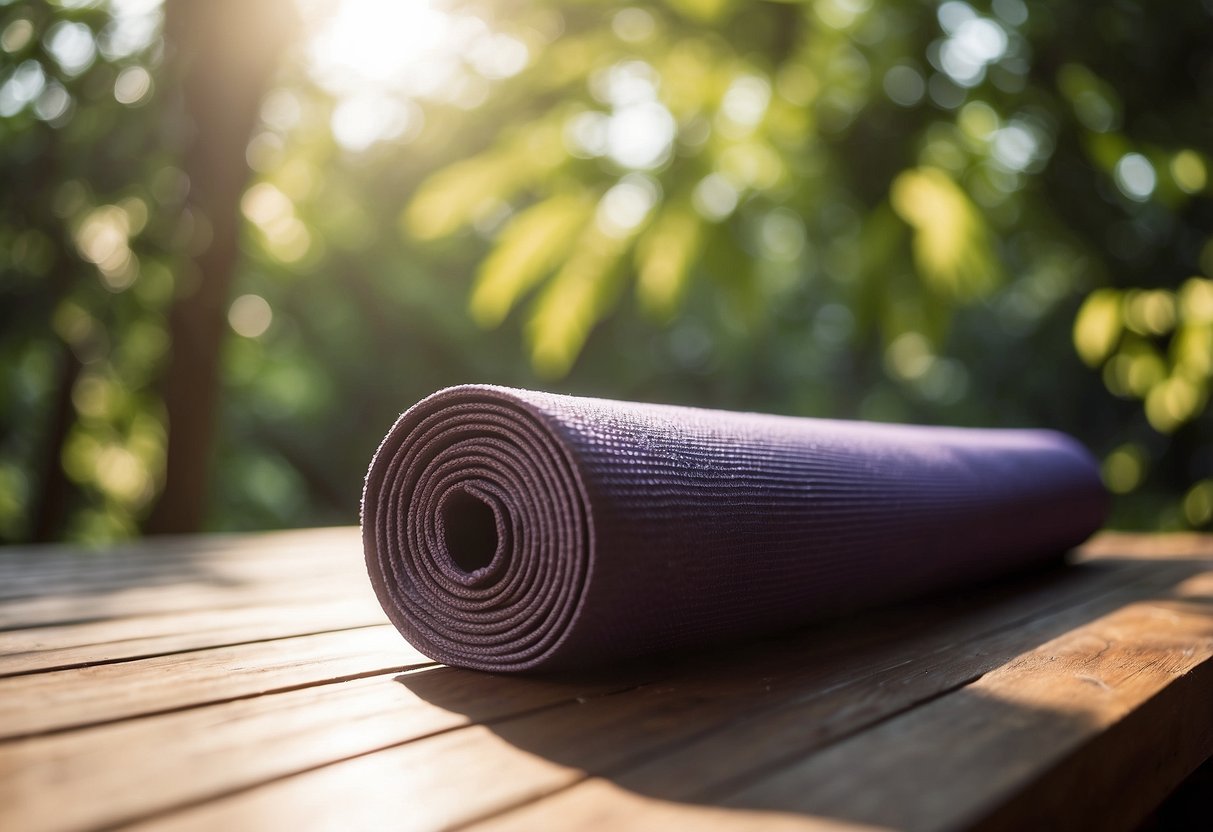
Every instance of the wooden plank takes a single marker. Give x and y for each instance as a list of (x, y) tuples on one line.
[(524, 759), (1167, 738), (1127, 546), (954, 761), (280, 558), (185, 579), (599, 803), (234, 546), (761, 742), (78, 645), (58, 610), (725, 701), (117, 773), (21, 569), (63, 699), (90, 578)]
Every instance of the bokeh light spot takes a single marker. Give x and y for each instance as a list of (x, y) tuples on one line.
[(1135, 176), (1098, 325), (746, 100), (1150, 312), (54, 104), (132, 29), (633, 25), (585, 134), (103, 238), (1172, 402), (132, 85), (16, 35), (1189, 172), (24, 85), (1014, 147), (715, 197), (1198, 503), (909, 356), (250, 316), (1196, 300), (72, 46), (640, 136), (499, 56), (904, 86), (1124, 468), (359, 121), (626, 205)]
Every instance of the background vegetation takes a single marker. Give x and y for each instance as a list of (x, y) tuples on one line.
[(236, 239)]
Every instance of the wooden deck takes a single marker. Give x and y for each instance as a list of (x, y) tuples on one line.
[(251, 682)]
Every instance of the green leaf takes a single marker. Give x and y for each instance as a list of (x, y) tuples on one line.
[(952, 245), (1098, 326), (578, 297), (531, 245), (449, 199), (664, 256), (454, 196)]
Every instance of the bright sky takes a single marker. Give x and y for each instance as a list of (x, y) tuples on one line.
[(387, 43), (379, 55)]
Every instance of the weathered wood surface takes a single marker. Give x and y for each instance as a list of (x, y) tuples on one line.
[(251, 682)]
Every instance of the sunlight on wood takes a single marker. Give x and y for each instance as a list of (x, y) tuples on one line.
[(284, 703)]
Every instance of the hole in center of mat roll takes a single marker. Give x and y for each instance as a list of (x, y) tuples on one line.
[(470, 528)]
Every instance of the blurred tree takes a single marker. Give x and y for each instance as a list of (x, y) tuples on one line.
[(977, 213), (225, 53), (82, 190)]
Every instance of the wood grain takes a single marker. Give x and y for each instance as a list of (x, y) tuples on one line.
[(798, 690), (111, 640), (123, 771), (761, 743), (248, 682), (1001, 735), (174, 575), (64, 699)]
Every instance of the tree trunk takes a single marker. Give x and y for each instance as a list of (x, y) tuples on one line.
[(225, 53), (56, 490)]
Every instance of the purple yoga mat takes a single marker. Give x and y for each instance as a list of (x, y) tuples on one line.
[(511, 530)]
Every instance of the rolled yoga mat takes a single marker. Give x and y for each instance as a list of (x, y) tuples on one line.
[(511, 530)]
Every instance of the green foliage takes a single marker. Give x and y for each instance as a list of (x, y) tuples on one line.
[(931, 169), (1153, 344), (953, 251), (991, 213), (533, 243), (89, 213)]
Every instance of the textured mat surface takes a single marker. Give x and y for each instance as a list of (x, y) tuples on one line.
[(514, 530)]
